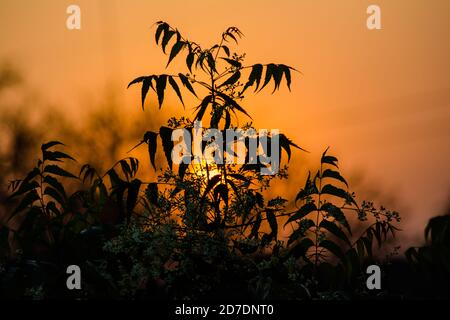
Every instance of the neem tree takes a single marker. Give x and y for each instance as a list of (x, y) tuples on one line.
[(232, 198), (204, 216)]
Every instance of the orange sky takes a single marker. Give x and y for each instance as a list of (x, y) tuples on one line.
[(379, 98)]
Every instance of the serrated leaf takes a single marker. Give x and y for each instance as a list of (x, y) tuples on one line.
[(306, 209), (222, 190), (183, 167), (133, 193), (255, 76), (232, 62), (175, 87), (272, 222), (151, 192), (54, 169), (50, 144), (161, 27), (231, 80), (368, 244), (334, 229), (50, 191), (137, 80), (146, 84), (337, 192), (186, 83), (190, 60), (55, 184), (55, 155), (328, 173), (333, 248), (287, 74), (175, 50), (301, 248), (226, 50), (168, 34), (255, 227), (26, 201), (277, 77), (211, 183), (166, 137), (160, 87), (202, 107), (25, 186), (270, 69), (232, 103), (329, 159), (51, 206), (337, 214), (150, 139)]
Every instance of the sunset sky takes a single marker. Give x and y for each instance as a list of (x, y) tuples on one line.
[(379, 98)]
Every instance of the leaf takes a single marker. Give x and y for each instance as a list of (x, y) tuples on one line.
[(202, 107), (302, 212), (231, 102), (334, 229), (175, 87), (51, 206), (255, 227), (166, 137), (132, 197), (328, 173), (295, 235), (152, 193), (226, 50), (25, 186), (55, 155), (227, 119), (160, 87), (50, 144), (270, 69), (308, 190), (137, 80), (221, 190), (144, 90), (54, 194), (277, 77), (333, 248), (150, 139), (183, 167), (125, 168), (26, 201), (337, 214), (55, 184), (168, 34), (231, 80), (54, 169), (232, 62), (301, 248), (175, 50), (286, 144), (255, 76), (186, 83), (211, 183), (161, 27), (368, 244), (190, 60), (287, 74), (272, 222), (337, 192), (329, 159)]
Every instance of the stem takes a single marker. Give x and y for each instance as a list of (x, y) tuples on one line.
[(316, 262)]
